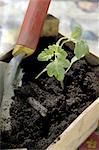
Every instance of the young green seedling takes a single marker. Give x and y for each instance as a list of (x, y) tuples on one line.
[(57, 56)]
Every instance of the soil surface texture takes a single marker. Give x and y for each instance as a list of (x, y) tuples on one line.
[(41, 109)]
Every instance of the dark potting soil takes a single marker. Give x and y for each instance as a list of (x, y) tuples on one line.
[(32, 130)]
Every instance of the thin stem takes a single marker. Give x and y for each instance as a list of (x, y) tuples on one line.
[(63, 38), (74, 59), (68, 68), (40, 73), (62, 84), (64, 42)]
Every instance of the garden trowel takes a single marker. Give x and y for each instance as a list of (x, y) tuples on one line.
[(29, 34), (25, 46)]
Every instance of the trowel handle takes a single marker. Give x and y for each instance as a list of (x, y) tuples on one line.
[(32, 26)]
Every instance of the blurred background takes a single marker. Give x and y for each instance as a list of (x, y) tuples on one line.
[(70, 13)]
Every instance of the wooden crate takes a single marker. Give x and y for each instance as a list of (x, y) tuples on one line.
[(82, 127), (79, 130)]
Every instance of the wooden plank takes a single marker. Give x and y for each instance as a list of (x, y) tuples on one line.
[(79, 130)]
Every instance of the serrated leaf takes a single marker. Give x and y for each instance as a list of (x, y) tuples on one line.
[(60, 53), (50, 69), (77, 32), (46, 54), (56, 69), (54, 47), (65, 63), (81, 49)]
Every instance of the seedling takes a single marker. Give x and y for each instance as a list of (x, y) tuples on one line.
[(57, 56)]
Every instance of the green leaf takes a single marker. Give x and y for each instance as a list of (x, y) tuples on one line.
[(81, 49), (50, 69), (52, 50), (46, 54), (56, 69), (60, 53), (52, 47), (65, 63), (57, 66), (77, 32)]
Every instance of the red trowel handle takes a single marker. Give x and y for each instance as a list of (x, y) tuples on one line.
[(32, 26)]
